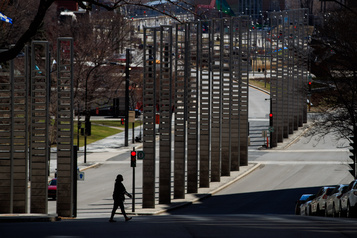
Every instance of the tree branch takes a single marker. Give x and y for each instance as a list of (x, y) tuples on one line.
[(29, 34)]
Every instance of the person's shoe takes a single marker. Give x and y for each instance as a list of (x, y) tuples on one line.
[(128, 218), (111, 220)]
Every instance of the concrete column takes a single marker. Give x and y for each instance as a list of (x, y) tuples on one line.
[(20, 132), (149, 117), (192, 107), (205, 104), (165, 114), (180, 111), (244, 43), (40, 121), (65, 178), (216, 100), (226, 104)]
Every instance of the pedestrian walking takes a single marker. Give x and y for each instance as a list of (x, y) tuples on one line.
[(118, 196)]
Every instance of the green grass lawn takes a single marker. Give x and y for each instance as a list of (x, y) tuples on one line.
[(101, 130), (260, 84)]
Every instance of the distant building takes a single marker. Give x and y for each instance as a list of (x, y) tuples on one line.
[(246, 7)]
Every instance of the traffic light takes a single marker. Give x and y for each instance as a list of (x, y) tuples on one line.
[(122, 121), (309, 86), (353, 156), (88, 128), (133, 158), (270, 119)]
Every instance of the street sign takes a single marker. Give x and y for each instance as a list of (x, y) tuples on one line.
[(140, 154), (80, 176), (131, 116)]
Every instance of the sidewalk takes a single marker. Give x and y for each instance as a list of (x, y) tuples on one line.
[(159, 208)]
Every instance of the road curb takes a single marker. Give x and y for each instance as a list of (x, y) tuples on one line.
[(257, 165), (199, 196), (16, 218)]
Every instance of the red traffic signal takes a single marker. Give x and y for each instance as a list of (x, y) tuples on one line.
[(133, 158), (271, 115)]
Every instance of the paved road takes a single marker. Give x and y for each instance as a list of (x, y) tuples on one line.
[(182, 226), (259, 205)]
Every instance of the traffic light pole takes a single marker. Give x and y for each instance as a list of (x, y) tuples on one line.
[(127, 96), (133, 193), (133, 165)]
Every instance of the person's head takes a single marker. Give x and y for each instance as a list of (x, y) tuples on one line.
[(119, 177)]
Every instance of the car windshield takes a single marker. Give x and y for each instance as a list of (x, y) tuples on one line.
[(305, 197), (53, 182)]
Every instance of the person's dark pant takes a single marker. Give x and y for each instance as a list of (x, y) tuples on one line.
[(118, 203)]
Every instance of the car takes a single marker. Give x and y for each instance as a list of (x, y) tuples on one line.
[(349, 200), (52, 188), (319, 202), (303, 199), (333, 203), (305, 208)]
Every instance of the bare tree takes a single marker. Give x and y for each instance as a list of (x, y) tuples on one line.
[(335, 65), (98, 76), (307, 4), (27, 32)]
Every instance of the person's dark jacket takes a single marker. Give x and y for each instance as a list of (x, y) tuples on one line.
[(119, 191)]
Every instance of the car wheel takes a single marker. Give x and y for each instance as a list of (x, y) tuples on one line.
[(349, 211), (318, 211), (326, 212), (339, 212)]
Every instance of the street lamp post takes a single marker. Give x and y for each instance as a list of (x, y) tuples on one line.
[(85, 124), (127, 71)]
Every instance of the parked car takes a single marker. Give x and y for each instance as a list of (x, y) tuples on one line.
[(305, 208), (349, 200), (303, 199), (333, 203), (319, 202), (52, 188)]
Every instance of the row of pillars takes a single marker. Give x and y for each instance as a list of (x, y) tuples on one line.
[(289, 72), (196, 82), (25, 87)]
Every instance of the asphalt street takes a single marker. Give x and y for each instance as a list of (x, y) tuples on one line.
[(259, 204)]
